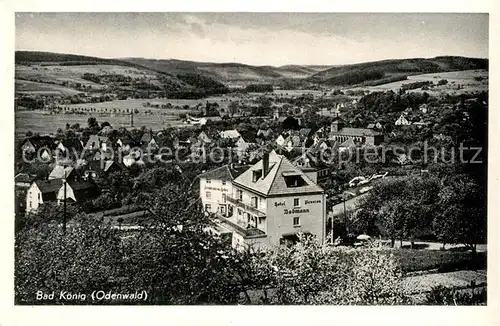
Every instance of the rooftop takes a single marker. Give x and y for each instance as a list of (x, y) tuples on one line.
[(227, 172), (277, 181)]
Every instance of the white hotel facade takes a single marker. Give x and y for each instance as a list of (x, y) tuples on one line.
[(267, 204)]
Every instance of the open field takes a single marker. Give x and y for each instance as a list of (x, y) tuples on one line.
[(43, 123), (73, 74), (464, 78), (33, 88), (458, 279), (223, 102)]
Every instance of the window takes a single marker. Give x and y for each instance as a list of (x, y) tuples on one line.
[(224, 197), (223, 182), (208, 181), (240, 195), (296, 221), (208, 207), (208, 194), (296, 202), (30, 203), (254, 202)]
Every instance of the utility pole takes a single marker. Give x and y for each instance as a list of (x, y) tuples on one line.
[(345, 215), (64, 215)]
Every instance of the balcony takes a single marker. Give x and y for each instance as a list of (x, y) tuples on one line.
[(245, 207), (250, 233)]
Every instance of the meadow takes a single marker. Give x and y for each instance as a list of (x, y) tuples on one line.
[(465, 79), (73, 74), (31, 88), (43, 123)]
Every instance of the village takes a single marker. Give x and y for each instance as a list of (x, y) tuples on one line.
[(263, 185), (251, 159)]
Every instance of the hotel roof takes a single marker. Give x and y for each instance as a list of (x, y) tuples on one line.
[(274, 183), (225, 173)]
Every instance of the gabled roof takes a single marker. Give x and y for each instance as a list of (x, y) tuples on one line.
[(232, 133), (305, 132), (60, 172), (48, 186), (24, 177), (97, 140), (95, 165), (146, 137), (348, 143), (81, 185), (40, 141), (356, 132), (274, 184), (248, 136), (225, 173)]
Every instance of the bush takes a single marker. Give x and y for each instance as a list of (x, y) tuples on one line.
[(441, 295), (442, 82)]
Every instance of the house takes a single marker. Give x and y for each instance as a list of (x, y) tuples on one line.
[(362, 136), (271, 203), (126, 143), (281, 140), (347, 144), (313, 167), (183, 141), (42, 191), (242, 140), (65, 147), (402, 121), (77, 191), (216, 184), (231, 134), (201, 121), (24, 180), (62, 172), (265, 133), (134, 157), (204, 137), (35, 143), (424, 108), (94, 168), (96, 142), (376, 125)]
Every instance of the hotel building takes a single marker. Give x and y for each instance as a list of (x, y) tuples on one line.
[(268, 204)]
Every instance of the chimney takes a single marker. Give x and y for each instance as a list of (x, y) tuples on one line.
[(265, 165), (335, 126)]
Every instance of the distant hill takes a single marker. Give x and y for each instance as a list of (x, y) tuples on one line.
[(174, 81), (49, 58), (391, 70), (186, 75), (227, 72)]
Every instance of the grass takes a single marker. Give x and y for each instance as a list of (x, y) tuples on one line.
[(30, 87), (444, 261), (467, 78), (39, 122)]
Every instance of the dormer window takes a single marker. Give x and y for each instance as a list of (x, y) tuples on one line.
[(256, 174), (293, 180)]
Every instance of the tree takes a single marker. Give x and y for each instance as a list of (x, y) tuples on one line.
[(93, 124), (233, 108), (311, 273), (463, 218), (89, 257)]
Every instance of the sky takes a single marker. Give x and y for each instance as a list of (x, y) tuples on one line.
[(256, 38)]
